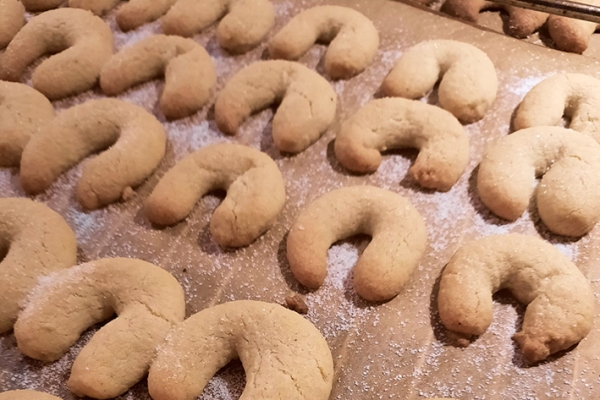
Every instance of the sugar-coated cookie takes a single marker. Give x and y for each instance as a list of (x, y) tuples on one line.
[(12, 19), (284, 355), (353, 39), (26, 395), (398, 232)]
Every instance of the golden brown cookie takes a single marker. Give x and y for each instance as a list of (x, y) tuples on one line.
[(136, 13), (83, 42), (399, 239), (521, 22), (244, 23), (188, 70), (307, 107), (255, 192), (37, 241), (393, 123), (568, 196), (352, 37), (12, 19), (26, 395), (23, 112), (132, 139), (468, 81), (576, 96), (98, 7), (284, 355), (571, 34), (560, 302), (148, 301), (41, 5)]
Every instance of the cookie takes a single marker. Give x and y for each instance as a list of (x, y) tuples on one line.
[(188, 70), (560, 302), (244, 23), (393, 123), (36, 241), (136, 13), (576, 96), (41, 5), (132, 139), (255, 192), (468, 81), (26, 395), (352, 37), (284, 355), (568, 196), (83, 42), (570, 34), (148, 301), (23, 112), (98, 7), (12, 19), (307, 102), (399, 239), (521, 21)]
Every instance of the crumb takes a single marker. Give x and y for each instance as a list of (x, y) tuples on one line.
[(128, 194), (296, 303)]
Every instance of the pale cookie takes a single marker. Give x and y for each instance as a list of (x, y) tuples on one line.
[(26, 395), (307, 102), (136, 13), (12, 19), (98, 7), (283, 354), (244, 25), (467, 77), (521, 22), (83, 42), (399, 239), (23, 112), (575, 96), (132, 139), (147, 300), (571, 34), (568, 196), (560, 302), (34, 241), (188, 70), (254, 185), (41, 5), (394, 123), (352, 37)]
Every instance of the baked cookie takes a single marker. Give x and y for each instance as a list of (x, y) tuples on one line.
[(255, 192), (23, 112), (147, 299), (244, 23), (467, 77), (133, 139), (571, 34), (37, 241), (83, 42), (136, 13), (41, 5), (560, 302), (98, 7), (393, 123), (188, 70), (26, 395), (352, 37), (12, 19), (307, 107), (576, 96), (399, 239), (283, 354), (521, 21), (568, 196)]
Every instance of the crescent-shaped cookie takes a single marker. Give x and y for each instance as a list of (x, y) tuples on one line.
[(352, 37), (83, 42), (399, 239), (244, 25), (283, 354), (571, 34), (468, 81), (26, 395), (521, 22), (575, 96), (133, 139), (255, 192), (41, 5), (560, 302), (188, 70), (23, 112), (34, 241), (12, 19), (568, 196), (393, 123), (307, 108), (148, 301)]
